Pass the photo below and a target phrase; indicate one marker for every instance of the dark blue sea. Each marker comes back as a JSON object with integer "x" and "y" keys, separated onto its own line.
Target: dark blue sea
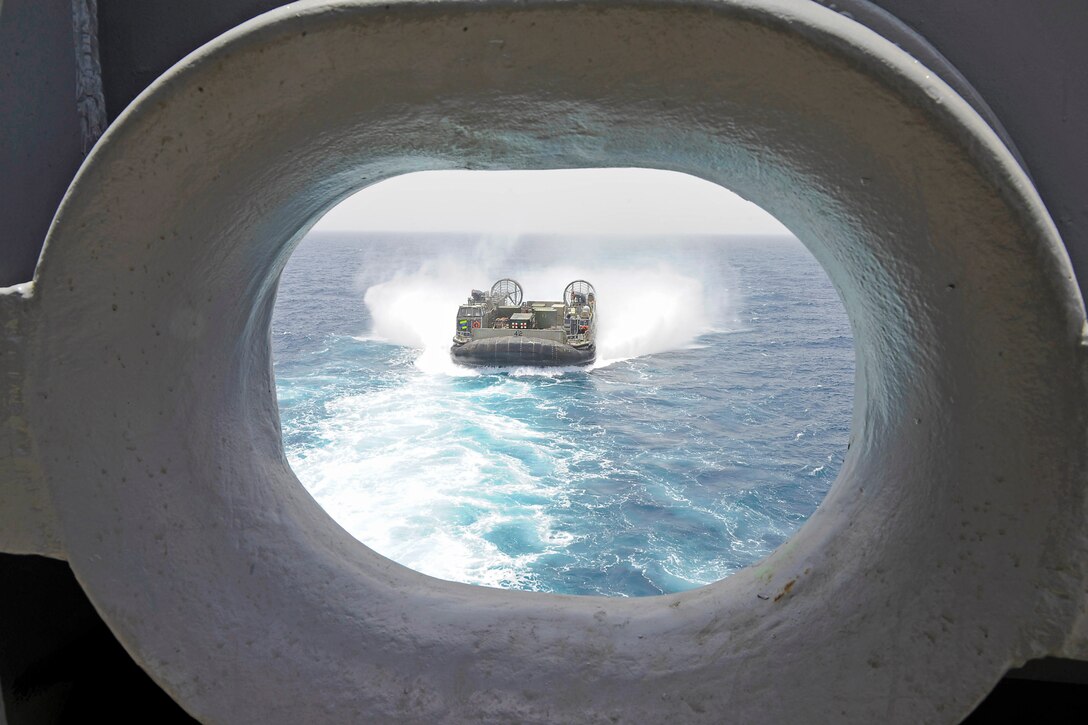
{"x": 710, "y": 428}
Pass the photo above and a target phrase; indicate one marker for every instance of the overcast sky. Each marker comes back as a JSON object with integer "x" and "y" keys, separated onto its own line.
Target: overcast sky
{"x": 591, "y": 201}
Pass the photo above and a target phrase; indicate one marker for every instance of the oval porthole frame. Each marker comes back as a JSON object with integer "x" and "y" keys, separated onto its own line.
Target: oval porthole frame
{"x": 948, "y": 549}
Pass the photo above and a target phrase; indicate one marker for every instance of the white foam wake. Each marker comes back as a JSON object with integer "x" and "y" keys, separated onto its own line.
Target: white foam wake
{"x": 426, "y": 476}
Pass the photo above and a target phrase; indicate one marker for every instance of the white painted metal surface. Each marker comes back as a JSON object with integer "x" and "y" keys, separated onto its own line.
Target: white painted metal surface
{"x": 139, "y": 379}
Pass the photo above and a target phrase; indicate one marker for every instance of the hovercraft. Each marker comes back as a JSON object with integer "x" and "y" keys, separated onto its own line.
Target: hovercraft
{"x": 500, "y": 329}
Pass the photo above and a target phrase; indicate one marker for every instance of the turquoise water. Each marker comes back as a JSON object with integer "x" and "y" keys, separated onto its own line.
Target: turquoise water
{"x": 710, "y": 428}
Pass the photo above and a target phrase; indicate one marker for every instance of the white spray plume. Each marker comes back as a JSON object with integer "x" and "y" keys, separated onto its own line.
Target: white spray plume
{"x": 641, "y": 310}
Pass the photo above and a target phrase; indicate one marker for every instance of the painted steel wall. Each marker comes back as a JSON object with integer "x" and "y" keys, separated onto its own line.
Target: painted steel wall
{"x": 1025, "y": 61}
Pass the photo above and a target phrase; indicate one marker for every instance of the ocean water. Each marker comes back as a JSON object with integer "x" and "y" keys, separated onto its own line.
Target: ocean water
{"x": 711, "y": 426}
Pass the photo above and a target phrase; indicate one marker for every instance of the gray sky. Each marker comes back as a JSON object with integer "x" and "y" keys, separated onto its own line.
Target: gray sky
{"x": 590, "y": 201}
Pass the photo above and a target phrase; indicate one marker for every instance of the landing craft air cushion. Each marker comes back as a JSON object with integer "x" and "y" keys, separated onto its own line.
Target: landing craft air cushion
{"x": 499, "y": 329}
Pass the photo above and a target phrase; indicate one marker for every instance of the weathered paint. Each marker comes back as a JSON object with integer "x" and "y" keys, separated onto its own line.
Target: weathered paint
{"x": 951, "y": 547}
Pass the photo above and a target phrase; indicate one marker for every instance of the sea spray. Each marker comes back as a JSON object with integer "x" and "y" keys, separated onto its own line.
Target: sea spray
{"x": 417, "y": 310}
{"x": 641, "y": 310}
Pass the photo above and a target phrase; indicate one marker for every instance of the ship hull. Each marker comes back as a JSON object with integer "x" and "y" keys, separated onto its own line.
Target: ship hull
{"x": 514, "y": 351}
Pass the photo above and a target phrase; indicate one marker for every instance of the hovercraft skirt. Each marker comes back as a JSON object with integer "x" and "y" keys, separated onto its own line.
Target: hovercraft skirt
{"x": 513, "y": 351}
